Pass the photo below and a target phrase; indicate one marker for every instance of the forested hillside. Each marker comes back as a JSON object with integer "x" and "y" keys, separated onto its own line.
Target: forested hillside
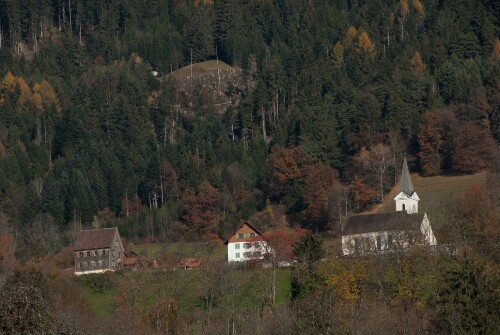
{"x": 329, "y": 97}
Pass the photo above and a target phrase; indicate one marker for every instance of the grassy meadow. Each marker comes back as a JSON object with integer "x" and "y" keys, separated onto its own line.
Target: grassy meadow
{"x": 435, "y": 193}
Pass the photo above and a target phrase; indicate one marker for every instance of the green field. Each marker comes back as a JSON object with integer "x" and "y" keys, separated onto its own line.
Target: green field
{"x": 181, "y": 249}
{"x": 103, "y": 303}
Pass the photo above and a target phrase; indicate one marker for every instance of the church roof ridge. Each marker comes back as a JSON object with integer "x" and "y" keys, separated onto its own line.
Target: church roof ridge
{"x": 405, "y": 184}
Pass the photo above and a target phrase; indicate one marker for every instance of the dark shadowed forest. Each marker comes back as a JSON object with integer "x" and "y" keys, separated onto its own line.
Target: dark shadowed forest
{"x": 288, "y": 113}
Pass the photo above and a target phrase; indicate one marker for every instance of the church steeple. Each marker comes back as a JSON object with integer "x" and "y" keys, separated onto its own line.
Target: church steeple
{"x": 407, "y": 199}
{"x": 405, "y": 184}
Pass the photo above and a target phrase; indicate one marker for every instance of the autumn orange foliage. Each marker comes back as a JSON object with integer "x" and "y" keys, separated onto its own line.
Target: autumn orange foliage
{"x": 417, "y": 65}
{"x": 495, "y": 53}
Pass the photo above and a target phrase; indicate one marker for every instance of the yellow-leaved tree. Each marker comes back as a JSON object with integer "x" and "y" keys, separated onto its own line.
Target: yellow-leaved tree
{"x": 351, "y": 35}
{"x": 48, "y": 95}
{"x": 417, "y": 65}
{"x": 25, "y": 91}
{"x": 419, "y": 7}
{"x": 365, "y": 44}
{"x": 9, "y": 83}
{"x": 338, "y": 55}
{"x": 43, "y": 99}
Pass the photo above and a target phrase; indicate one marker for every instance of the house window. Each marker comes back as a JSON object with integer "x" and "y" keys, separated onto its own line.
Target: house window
{"x": 237, "y": 246}
{"x": 113, "y": 263}
{"x": 104, "y": 263}
{"x": 404, "y": 207}
{"x": 116, "y": 243}
{"x": 247, "y": 245}
{"x": 103, "y": 252}
{"x": 237, "y": 255}
{"x": 241, "y": 236}
{"x": 88, "y": 253}
{"x": 80, "y": 265}
{"x": 81, "y": 253}
{"x": 252, "y": 234}
{"x": 89, "y": 264}
{"x": 389, "y": 242}
{"x": 379, "y": 242}
{"x": 96, "y": 252}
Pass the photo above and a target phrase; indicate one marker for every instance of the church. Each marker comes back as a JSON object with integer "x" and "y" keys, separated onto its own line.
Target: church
{"x": 383, "y": 232}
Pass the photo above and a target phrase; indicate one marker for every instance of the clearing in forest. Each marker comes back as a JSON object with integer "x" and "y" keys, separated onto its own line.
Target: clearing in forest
{"x": 203, "y": 67}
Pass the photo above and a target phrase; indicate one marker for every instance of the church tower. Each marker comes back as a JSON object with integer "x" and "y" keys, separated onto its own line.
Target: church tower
{"x": 407, "y": 199}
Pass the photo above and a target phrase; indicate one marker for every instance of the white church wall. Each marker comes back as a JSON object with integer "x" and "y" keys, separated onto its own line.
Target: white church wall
{"x": 379, "y": 242}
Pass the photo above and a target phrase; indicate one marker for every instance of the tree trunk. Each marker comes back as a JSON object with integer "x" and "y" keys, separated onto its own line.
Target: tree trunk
{"x": 38, "y": 139}
{"x": 275, "y": 266}
{"x": 264, "y": 124}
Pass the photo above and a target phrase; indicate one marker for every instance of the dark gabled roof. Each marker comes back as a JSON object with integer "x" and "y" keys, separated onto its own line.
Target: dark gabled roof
{"x": 95, "y": 239}
{"x": 405, "y": 184}
{"x": 248, "y": 223}
{"x": 392, "y": 221}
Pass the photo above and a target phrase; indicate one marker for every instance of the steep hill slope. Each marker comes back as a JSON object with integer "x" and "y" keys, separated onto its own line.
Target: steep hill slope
{"x": 435, "y": 193}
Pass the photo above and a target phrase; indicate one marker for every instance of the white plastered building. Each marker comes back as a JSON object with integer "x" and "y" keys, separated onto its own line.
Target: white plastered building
{"x": 382, "y": 232}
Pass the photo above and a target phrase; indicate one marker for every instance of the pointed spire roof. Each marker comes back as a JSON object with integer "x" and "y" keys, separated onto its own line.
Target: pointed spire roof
{"x": 405, "y": 184}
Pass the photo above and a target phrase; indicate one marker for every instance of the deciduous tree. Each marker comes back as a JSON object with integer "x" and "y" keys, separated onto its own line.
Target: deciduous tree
{"x": 201, "y": 208}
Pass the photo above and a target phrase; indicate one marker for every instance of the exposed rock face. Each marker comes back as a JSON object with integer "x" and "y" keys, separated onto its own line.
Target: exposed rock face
{"x": 208, "y": 85}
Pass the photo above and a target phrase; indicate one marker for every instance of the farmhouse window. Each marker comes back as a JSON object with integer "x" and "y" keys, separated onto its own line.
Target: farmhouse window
{"x": 237, "y": 255}
{"x": 88, "y": 253}
{"x": 80, "y": 265}
{"x": 103, "y": 252}
{"x": 389, "y": 242}
{"x": 247, "y": 245}
{"x": 96, "y": 252}
{"x": 237, "y": 246}
{"x": 252, "y": 234}
{"x": 379, "y": 242}
{"x": 241, "y": 236}
{"x": 81, "y": 253}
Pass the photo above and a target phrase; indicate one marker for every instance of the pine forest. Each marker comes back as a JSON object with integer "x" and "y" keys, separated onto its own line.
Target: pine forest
{"x": 178, "y": 120}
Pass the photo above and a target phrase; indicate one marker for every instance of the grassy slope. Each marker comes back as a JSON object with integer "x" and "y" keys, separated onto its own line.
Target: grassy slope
{"x": 103, "y": 303}
{"x": 435, "y": 193}
{"x": 207, "y": 66}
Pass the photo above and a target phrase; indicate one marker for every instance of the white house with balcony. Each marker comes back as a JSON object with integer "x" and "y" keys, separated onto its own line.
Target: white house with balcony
{"x": 245, "y": 243}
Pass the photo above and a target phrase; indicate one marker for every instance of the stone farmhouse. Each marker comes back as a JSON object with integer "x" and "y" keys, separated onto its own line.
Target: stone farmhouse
{"x": 385, "y": 232}
{"x": 98, "y": 251}
{"x": 245, "y": 243}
